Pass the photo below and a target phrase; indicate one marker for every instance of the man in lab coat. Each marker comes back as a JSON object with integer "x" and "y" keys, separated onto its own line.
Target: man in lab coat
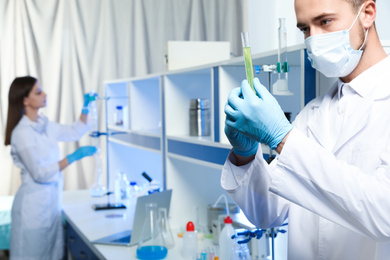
{"x": 331, "y": 179}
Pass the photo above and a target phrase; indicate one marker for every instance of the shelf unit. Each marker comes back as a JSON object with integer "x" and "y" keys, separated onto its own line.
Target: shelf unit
{"x": 156, "y": 131}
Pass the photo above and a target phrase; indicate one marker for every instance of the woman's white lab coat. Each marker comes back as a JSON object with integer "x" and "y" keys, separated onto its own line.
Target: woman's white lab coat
{"x": 336, "y": 198}
{"x": 36, "y": 227}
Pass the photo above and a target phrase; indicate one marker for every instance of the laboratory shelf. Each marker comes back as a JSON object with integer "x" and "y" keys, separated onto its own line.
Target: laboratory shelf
{"x": 212, "y": 153}
{"x": 157, "y": 137}
{"x": 141, "y": 141}
{"x": 145, "y": 103}
{"x": 134, "y": 159}
{"x": 179, "y": 89}
{"x": 117, "y": 94}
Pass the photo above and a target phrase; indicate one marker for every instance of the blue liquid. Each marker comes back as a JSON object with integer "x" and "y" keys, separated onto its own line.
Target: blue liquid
{"x": 152, "y": 252}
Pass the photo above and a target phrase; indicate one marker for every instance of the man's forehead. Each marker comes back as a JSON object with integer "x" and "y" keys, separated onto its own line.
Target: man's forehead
{"x": 306, "y": 9}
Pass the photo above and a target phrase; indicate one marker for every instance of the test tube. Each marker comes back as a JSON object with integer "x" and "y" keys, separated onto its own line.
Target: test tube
{"x": 248, "y": 58}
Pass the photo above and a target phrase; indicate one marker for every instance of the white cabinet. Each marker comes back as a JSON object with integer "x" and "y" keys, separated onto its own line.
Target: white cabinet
{"x": 157, "y": 139}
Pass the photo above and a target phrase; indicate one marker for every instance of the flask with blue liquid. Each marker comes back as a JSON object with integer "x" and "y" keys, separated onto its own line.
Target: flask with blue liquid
{"x": 151, "y": 245}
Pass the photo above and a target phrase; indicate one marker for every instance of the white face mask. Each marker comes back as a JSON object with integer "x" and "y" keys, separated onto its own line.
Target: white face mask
{"x": 332, "y": 53}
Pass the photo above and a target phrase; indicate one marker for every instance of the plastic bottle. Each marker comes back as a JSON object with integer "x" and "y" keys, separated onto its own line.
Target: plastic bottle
{"x": 124, "y": 183}
{"x": 132, "y": 191}
{"x": 118, "y": 115}
{"x": 226, "y": 242}
{"x": 190, "y": 242}
{"x": 117, "y": 187}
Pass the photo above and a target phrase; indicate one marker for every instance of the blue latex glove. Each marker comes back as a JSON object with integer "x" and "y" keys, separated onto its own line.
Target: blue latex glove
{"x": 242, "y": 145}
{"x": 85, "y": 106}
{"x": 257, "y": 116}
{"x": 86, "y": 99}
{"x": 81, "y": 153}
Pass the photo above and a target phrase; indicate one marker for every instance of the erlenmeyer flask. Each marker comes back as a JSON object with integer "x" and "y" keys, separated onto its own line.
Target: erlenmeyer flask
{"x": 165, "y": 229}
{"x": 151, "y": 245}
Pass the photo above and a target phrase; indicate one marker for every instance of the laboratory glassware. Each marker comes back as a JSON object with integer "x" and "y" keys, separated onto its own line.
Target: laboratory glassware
{"x": 152, "y": 244}
{"x": 97, "y": 189}
{"x": 240, "y": 248}
{"x": 280, "y": 87}
{"x": 123, "y": 185}
{"x": 118, "y": 115}
{"x": 132, "y": 190}
{"x": 199, "y": 117}
{"x": 247, "y": 58}
{"x": 165, "y": 228}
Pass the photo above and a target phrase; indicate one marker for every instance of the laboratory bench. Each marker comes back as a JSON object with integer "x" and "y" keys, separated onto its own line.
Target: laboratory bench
{"x": 84, "y": 224}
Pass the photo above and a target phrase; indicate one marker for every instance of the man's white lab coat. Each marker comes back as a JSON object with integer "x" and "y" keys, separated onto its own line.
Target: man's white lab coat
{"x": 334, "y": 193}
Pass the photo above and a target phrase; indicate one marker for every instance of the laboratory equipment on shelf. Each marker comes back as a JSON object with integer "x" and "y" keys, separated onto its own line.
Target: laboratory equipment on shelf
{"x": 151, "y": 245}
{"x": 97, "y": 189}
{"x": 118, "y": 115}
{"x": 240, "y": 247}
{"x": 199, "y": 117}
{"x": 280, "y": 87}
{"x": 247, "y": 58}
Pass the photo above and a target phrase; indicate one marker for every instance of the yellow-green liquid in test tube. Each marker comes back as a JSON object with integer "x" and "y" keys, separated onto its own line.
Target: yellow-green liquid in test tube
{"x": 247, "y": 58}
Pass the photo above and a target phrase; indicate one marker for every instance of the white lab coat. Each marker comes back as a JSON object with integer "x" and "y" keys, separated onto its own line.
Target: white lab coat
{"x": 36, "y": 227}
{"x": 336, "y": 198}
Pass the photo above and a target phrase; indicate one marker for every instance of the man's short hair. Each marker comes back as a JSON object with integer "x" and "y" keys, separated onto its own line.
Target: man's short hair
{"x": 356, "y": 4}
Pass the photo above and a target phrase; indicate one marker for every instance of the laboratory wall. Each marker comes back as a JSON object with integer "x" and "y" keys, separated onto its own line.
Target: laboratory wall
{"x": 71, "y": 46}
{"x": 263, "y": 23}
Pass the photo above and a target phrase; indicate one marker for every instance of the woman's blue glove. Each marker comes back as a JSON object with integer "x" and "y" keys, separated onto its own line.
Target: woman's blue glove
{"x": 85, "y": 106}
{"x": 81, "y": 153}
{"x": 257, "y": 116}
{"x": 242, "y": 145}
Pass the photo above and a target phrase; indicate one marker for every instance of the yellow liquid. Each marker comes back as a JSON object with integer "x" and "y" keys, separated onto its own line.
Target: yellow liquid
{"x": 249, "y": 66}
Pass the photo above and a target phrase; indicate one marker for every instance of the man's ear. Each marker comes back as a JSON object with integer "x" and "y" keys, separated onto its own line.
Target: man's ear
{"x": 368, "y": 14}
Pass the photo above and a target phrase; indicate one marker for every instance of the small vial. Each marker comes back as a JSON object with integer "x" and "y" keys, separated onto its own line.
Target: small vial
{"x": 132, "y": 190}
{"x": 118, "y": 115}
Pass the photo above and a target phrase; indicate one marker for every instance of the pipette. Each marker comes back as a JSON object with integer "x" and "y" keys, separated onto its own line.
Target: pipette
{"x": 248, "y": 58}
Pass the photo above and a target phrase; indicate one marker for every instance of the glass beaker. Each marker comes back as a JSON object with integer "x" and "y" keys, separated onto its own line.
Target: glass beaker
{"x": 165, "y": 229}
{"x": 152, "y": 244}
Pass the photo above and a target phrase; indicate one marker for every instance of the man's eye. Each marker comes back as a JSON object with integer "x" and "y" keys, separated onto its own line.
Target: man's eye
{"x": 304, "y": 29}
{"x": 325, "y": 22}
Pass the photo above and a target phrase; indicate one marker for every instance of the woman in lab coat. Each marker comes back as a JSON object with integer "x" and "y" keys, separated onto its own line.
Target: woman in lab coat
{"x": 36, "y": 227}
{"x": 331, "y": 180}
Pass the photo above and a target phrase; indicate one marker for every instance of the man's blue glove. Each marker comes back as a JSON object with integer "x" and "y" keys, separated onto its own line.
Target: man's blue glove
{"x": 86, "y": 102}
{"x": 257, "y": 116}
{"x": 242, "y": 145}
{"x": 81, "y": 153}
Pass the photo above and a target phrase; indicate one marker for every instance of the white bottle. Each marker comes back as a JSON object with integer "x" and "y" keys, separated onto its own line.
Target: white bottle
{"x": 226, "y": 242}
{"x": 132, "y": 190}
{"x": 124, "y": 183}
{"x": 190, "y": 242}
{"x": 117, "y": 187}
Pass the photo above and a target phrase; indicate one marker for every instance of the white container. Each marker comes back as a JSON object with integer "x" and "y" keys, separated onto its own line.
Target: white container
{"x": 117, "y": 187}
{"x": 190, "y": 242}
{"x": 226, "y": 242}
{"x": 132, "y": 190}
{"x": 118, "y": 115}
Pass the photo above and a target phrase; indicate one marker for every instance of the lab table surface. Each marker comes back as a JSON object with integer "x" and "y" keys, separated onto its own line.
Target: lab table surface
{"x": 90, "y": 225}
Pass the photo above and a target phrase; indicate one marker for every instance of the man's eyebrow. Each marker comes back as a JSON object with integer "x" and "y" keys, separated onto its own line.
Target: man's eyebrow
{"x": 315, "y": 19}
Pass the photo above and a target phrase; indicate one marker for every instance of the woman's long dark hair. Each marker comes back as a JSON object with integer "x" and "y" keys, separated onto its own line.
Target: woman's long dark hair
{"x": 20, "y": 89}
